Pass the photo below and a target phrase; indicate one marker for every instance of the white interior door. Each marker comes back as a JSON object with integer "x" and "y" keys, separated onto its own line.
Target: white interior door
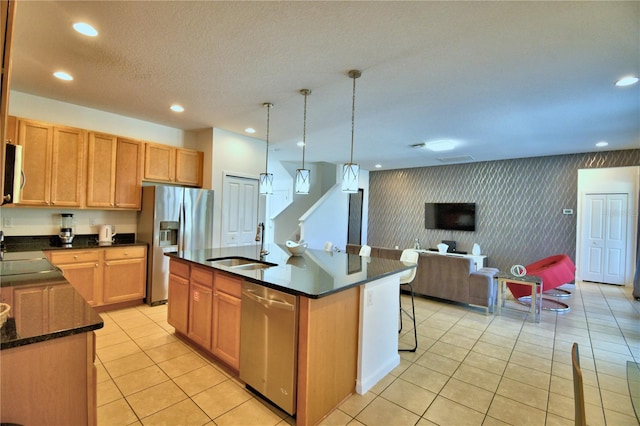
{"x": 604, "y": 238}
{"x": 239, "y": 211}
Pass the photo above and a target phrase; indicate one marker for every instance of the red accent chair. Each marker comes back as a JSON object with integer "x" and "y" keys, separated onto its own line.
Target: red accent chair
{"x": 554, "y": 270}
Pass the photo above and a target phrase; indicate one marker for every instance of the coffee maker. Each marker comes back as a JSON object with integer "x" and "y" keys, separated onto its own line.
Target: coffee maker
{"x": 66, "y": 229}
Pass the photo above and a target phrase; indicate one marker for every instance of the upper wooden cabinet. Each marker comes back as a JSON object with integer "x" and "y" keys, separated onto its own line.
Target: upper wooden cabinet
{"x": 189, "y": 167}
{"x": 101, "y": 170}
{"x": 129, "y": 174}
{"x": 114, "y": 172}
{"x": 164, "y": 163}
{"x": 53, "y": 164}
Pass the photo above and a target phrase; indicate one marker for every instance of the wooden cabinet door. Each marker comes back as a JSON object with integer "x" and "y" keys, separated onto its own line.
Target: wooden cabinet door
{"x": 37, "y": 141}
{"x": 178, "y": 303}
{"x": 124, "y": 280}
{"x": 101, "y": 170}
{"x": 67, "y": 167}
{"x": 128, "y": 174}
{"x": 200, "y": 305}
{"x": 189, "y": 167}
{"x": 159, "y": 162}
{"x": 86, "y": 278}
{"x": 32, "y": 321}
{"x": 226, "y": 319}
{"x": 66, "y": 307}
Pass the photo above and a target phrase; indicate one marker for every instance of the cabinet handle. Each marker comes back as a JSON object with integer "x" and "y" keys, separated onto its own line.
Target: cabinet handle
{"x": 96, "y": 265}
{"x": 126, "y": 253}
{"x": 75, "y": 257}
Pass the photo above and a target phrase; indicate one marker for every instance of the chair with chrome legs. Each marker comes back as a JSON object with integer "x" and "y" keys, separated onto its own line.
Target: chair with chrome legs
{"x": 578, "y": 390}
{"x": 409, "y": 256}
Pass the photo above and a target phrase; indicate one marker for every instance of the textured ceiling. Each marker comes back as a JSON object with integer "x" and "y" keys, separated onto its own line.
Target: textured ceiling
{"x": 505, "y": 79}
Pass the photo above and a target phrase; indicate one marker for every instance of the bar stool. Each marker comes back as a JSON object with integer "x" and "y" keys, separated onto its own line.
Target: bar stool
{"x": 409, "y": 257}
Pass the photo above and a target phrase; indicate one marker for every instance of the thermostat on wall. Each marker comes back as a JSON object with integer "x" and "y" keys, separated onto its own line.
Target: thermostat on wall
{"x": 567, "y": 211}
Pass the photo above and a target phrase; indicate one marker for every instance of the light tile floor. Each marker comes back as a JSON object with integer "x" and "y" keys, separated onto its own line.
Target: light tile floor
{"x": 469, "y": 369}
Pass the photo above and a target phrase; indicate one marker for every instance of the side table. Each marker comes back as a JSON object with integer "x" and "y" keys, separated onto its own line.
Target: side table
{"x": 533, "y": 281}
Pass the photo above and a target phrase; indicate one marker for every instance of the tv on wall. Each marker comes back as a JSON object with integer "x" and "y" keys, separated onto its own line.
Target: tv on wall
{"x": 450, "y": 216}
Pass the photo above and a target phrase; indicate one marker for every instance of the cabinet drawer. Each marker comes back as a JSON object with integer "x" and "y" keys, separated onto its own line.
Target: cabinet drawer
{"x": 129, "y": 252}
{"x": 202, "y": 276}
{"x": 65, "y": 257}
{"x": 178, "y": 268}
{"x": 228, "y": 284}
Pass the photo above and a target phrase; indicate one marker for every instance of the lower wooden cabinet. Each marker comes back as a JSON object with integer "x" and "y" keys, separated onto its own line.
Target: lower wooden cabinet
{"x": 226, "y": 319}
{"x": 205, "y": 306}
{"x": 104, "y": 276}
{"x": 178, "y": 296}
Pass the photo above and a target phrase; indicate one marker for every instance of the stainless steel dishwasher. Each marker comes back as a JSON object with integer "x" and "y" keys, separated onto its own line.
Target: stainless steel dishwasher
{"x": 268, "y": 344}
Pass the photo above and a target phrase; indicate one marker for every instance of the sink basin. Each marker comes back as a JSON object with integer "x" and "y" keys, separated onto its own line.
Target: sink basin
{"x": 241, "y": 263}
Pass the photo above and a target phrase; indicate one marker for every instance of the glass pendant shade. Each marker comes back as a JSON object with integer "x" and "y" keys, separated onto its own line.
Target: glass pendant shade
{"x": 350, "y": 172}
{"x": 303, "y": 182}
{"x": 266, "y": 183}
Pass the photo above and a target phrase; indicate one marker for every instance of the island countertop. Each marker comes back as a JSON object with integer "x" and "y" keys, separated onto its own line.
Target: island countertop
{"x": 314, "y": 274}
{"x": 44, "y": 306}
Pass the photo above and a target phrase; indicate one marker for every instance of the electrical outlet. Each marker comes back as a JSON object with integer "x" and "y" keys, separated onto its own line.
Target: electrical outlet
{"x": 92, "y": 221}
{"x": 7, "y": 222}
{"x": 369, "y": 298}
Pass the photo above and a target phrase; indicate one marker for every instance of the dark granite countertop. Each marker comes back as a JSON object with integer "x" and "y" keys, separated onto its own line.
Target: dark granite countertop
{"x": 315, "y": 274}
{"x": 52, "y": 242}
{"x": 67, "y": 312}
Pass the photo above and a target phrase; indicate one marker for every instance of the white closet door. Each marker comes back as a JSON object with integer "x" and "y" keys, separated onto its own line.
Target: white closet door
{"x": 604, "y": 238}
{"x": 239, "y": 211}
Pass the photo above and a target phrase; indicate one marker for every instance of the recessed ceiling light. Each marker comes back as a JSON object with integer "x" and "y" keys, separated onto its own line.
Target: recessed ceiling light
{"x": 602, "y": 143}
{"x": 627, "y": 81}
{"x": 300, "y": 144}
{"x": 378, "y": 166}
{"x": 250, "y": 130}
{"x": 63, "y": 75}
{"x": 85, "y": 29}
{"x": 176, "y": 108}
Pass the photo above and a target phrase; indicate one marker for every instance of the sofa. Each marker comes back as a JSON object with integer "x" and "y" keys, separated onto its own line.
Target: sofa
{"x": 452, "y": 278}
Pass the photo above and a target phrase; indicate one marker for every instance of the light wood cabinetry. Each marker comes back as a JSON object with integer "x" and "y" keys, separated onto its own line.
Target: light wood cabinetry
{"x": 227, "y": 292}
{"x": 51, "y": 382}
{"x": 125, "y": 271}
{"x": 104, "y": 276}
{"x": 164, "y": 163}
{"x": 189, "y": 165}
{"x": 53, "y": 164}
{"x": 128, "y": 174}
{"x": 101, "y": 170}
{"x": 178, "y": 296}
{"x": 200, "y": 305}
{"x": 159, "y": 162}
{"x": 7, "y": 14}
{"x": 205, "y": 306}
{"x": 83, "y": 270}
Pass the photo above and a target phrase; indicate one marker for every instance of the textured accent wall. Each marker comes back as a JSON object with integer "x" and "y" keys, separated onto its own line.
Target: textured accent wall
{"x": 518, "y": 204}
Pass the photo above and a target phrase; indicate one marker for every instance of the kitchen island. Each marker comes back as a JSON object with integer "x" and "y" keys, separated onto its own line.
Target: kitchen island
{"x": 47, "y": 345}
{"x": 347, "y": 313}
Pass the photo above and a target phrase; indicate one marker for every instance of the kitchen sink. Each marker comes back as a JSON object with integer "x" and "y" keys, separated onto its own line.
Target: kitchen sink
{"x": 241, "y": 263}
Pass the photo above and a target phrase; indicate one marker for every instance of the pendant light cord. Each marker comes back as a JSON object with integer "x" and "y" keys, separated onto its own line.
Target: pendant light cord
{"x": 304, "y": 125}
{"x": 354, "y": 74}
{"x": 268, "y": 106}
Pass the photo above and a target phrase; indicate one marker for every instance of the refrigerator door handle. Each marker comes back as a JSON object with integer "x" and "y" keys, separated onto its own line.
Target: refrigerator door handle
{"x": 181, "y": 226}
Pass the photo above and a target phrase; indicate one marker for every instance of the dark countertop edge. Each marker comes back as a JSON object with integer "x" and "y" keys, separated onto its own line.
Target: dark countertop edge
{"x": 92, "y": 247}
{"x": 288, "y": 290}
{"x": 50, "y": 336}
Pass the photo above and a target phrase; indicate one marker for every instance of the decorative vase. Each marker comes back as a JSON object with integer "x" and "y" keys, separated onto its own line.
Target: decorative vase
{"x": 475, "y": 250}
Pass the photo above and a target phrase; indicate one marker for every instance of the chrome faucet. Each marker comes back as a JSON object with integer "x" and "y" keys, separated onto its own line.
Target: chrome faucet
{"x": 259, "y": 231}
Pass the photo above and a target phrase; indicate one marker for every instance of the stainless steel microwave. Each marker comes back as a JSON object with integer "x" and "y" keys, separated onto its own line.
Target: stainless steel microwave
{"x": 12, "y": 174}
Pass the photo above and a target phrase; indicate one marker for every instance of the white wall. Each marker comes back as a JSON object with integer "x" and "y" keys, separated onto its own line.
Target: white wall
{"x": 611, "y": 180}
{"x": 237, "y": 155}
{"x": 52, "y": 111}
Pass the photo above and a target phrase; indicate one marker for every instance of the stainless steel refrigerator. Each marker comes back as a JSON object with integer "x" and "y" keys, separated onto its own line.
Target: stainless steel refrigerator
{"x": 172, "y": 219}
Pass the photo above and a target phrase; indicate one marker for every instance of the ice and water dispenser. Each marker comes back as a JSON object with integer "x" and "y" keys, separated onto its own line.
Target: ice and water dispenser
{"x": 168, "y": 235}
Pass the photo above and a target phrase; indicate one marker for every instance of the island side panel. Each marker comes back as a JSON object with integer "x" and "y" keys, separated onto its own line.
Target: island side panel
{"x": 327, "y": 353}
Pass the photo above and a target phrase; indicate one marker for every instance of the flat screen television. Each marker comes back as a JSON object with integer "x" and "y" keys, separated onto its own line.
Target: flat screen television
{"x": 450, "y": 216}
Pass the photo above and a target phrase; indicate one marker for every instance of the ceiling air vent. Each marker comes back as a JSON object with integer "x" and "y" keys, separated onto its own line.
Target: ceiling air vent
{"x": 457, "y": 159}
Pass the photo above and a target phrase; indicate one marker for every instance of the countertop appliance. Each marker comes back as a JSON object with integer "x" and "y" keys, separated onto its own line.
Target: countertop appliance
{"x": 172, "y": 219}
{"x": 66, "y": 229}
{"x": 106, "y": 234}
{"x": 268, "y": 344}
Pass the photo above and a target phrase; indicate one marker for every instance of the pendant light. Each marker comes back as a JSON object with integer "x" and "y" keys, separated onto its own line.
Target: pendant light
{"x": 303, "y": 176}
{"x": 266, "y": 178}
{"x": 350, "y": 170}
